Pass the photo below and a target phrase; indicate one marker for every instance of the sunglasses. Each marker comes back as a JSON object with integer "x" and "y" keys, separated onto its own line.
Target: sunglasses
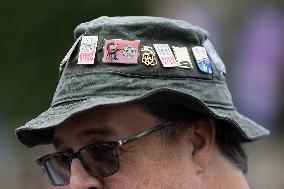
{"x": 99, "y": 159}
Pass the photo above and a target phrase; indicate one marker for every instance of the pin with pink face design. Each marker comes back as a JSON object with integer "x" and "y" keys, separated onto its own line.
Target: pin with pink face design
{"x": 121, "y": 51}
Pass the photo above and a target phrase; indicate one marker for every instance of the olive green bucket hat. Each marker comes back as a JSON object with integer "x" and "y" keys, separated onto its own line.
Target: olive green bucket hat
{"x": 132, "y": 59}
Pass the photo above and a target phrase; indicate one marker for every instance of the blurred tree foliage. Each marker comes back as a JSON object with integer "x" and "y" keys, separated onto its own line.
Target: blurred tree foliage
{"x": 35, "y": 36}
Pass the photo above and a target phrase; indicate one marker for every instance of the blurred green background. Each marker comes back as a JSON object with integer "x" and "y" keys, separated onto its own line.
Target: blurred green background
{"x": 36, "y": 35}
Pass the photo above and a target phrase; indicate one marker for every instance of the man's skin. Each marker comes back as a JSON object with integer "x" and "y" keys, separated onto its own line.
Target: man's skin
{"x": 150, "y": 162}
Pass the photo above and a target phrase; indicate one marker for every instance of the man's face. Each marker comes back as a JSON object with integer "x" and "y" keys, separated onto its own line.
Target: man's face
{"x": 148, "y": 162}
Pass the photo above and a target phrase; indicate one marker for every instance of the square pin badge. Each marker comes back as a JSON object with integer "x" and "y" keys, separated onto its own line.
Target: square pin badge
{"x": 182, "y": 57}
{"x": 88, "y": 49}
{"x": 121, "y": 51}
{"x": 202, "y": 59}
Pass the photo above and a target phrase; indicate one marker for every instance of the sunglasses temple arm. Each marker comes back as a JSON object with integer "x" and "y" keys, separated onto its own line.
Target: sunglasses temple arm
{"x": 143, "y": 133}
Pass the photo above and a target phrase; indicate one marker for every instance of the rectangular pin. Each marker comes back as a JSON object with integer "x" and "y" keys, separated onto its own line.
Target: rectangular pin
{"x": 88, "y": 50}
{"x": 165, "y": 55}
{"x": 182, "y": 57}
{"x": 202, "y": 59}
{"x": 121, "y": 51}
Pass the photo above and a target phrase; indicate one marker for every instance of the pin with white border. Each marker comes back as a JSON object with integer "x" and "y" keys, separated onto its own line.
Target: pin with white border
{"x": 212, "y": 53}
{"x": 88, "y": 50}
{"x": 166, "y": 55}
{"x": 202, "y": 59}
{"x": 182, "y": 57}
{"x": 67, "y": 56}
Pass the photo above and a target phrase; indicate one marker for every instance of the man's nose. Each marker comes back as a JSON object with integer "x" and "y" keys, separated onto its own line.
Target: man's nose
{"x": 80, "y": 179}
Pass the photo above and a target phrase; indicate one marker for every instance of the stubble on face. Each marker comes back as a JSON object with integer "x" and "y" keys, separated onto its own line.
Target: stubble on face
{"x": 146, "y": 163}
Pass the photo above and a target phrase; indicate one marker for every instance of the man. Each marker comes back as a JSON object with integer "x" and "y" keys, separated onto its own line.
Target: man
{"x": 158, "y": 115}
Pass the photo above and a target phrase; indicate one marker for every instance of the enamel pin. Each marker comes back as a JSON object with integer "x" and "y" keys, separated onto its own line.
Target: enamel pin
{"x": 88, "y": 50}
{"x": 148, "y": 56}
{"x": 121, "y": 51}
{"x": 67, "y": 56}
{"x": 182, "y": 57}
{"x": 212, "y": 53}
{"x": 166, "y": 55}
{"x": 202, "y": 59}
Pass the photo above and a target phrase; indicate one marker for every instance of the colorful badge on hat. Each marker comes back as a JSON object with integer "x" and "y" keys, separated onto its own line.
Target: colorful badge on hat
{"x": 182, "y": 57}
{"x": 166, "y": 55}
{"x": 67, "y": 56}
{"x": 212, "y": 53}
{"x": 88, "y": 49}
{"x": 121, "y": 51}
{"x": 202, "y": 59}
{"x": 149, "y": 56}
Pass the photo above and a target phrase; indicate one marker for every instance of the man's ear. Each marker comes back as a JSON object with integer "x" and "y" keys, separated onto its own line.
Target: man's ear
{"x": 202, "y": 138}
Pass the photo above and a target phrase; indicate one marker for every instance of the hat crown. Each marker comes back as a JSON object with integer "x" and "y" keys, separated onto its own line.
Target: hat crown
{"x": 149, "y": 31}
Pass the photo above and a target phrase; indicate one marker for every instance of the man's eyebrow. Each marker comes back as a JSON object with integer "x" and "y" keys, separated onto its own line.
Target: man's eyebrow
{"x": 90, "y": 132}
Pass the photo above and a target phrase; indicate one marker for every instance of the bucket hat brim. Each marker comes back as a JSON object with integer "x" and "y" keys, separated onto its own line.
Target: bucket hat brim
{"x": 40, "y": 129}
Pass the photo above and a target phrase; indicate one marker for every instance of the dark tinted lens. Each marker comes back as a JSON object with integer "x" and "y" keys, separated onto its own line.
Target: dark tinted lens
{"x": 99, "y": 160}
{"x": 57, "y": 167}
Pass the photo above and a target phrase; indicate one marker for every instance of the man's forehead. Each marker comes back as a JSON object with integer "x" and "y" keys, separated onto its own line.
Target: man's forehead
{"x": 108, "y": 122}
{"x": 105, "y": 115}
{"x": 88, "y": 125}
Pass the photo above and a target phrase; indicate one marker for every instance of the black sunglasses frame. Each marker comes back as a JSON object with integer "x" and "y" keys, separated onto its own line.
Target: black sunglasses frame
{"x": 113, "y": 144}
